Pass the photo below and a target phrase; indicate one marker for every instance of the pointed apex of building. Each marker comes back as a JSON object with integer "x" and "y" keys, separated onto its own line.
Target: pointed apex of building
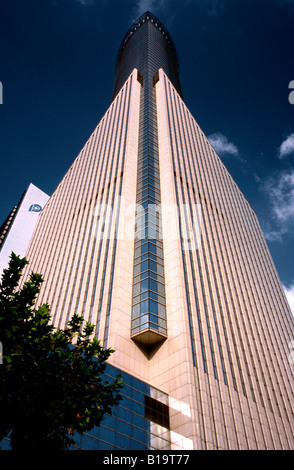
{"x": 149, "y": 14}
{"x": 151, "y": 17}
{"x": 134, "y": 47}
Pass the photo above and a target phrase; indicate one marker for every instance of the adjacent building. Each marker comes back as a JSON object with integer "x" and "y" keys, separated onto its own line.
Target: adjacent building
{"x": 149, "y": 237}
{"x": 18, "y": 228}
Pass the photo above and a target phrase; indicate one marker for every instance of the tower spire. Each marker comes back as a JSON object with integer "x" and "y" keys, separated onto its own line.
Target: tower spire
{"x": 147, "y": 45}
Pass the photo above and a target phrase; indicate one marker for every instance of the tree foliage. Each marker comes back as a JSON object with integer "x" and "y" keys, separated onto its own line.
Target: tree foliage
{"x": 51, "y": 380}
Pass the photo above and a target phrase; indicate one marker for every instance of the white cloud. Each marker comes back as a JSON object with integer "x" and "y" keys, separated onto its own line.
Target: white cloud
{"x": 221, "y": 144}
{"x": 286, "y": 147}
{"x": 287, "y": 2}
{"x": 257, "y": 178}
{"x": 272, "y": 235}
{"x": 289, "y": 291}
{"x": 85, "y": 3}
{"x": 150, "y": 5}
{"x": 146, "y": 5}
{"x": 213, "y": 7}
{"x": 280, "y": 194}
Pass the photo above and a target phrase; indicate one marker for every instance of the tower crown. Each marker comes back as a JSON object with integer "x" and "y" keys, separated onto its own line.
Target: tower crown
{"x": 147, "y": 46}
{"x": 147, "y": 16}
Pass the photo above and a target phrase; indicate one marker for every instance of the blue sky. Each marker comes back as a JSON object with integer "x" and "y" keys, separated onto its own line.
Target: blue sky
{"x": 236, "y": 63}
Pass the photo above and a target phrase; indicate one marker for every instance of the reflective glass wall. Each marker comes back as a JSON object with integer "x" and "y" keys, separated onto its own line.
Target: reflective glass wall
{"x": 140, "y": 422}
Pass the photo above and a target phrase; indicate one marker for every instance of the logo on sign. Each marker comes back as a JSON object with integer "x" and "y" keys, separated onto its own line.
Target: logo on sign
{"x": 35, "y": 208}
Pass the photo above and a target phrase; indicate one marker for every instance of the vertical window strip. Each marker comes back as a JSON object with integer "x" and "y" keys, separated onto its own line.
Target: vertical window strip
{"x": 276, "y": 329}
{"x": 79, "y": 218}
{"x": 57, "y": 245}
{"x": 233, "y": 307}
{"x": 190, "y": 315}
{"x": 60, "y": 200}
{"x": 117, "y": 130}
{"x": 108, "y": 308}
{"x": 209, "y": 184}
{"x": 194, "y": 149}
{"x": 77, "y": 169}
{"x": 97, "y": 263}
{"x": 103, "y": 165}
{"x": 251, "y": 386}
{"x": 260, "y": 292}
{"x": 45, "y": 227}
{"x": 213, "y": 162}
{"x": 68, "y": 274}
{"x": 189, "y": 151}
{"x": 242, "y": 320}
{"x": 114, "y": 152}
{"x": 175, "y": 120}
{"x": 179, "y": 120}
{"x": 109, "y": 302}
{"x": 194, "y": 132}
{"x": 179, "y": 145}
{"x": 249, "y": 321}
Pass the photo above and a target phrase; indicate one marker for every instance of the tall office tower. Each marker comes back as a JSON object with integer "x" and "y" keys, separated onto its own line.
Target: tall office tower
{"x": 148, "y": 237}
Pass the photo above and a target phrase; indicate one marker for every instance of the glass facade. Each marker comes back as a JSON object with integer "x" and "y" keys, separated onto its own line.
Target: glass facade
{"x": 140, "y": 422}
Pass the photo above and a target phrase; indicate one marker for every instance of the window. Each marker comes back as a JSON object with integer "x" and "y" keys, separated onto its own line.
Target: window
{"x": 157, "y": 412}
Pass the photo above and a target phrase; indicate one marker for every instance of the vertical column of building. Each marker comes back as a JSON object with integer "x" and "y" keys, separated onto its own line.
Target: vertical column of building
{"x": 218, "y": 275}
{"x": 173, "y": 371}
{"x": 148, "y": 309}
{"x": 219, "y": 266}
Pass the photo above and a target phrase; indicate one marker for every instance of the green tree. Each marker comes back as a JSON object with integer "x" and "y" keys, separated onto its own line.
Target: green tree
{"x": 51, "y": 380}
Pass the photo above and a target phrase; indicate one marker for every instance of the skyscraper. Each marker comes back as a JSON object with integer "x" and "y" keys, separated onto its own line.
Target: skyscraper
{"x": 149, "y": 238}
